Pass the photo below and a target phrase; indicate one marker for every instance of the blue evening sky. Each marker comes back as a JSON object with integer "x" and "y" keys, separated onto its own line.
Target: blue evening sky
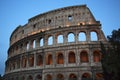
{"x": 17, "y": 12}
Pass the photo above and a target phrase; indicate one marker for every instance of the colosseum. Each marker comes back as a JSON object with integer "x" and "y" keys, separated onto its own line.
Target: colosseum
{"x": 61, "y": 44}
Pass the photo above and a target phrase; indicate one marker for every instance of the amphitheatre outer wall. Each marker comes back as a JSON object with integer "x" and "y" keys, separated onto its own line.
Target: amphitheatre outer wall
{"x": 50, "y": 47}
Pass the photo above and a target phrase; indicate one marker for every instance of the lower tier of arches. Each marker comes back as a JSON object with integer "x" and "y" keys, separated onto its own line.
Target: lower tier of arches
{"x": 76, "y": 73}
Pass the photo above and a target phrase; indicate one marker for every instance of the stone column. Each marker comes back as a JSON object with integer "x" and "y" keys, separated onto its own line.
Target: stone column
{"x": 88, "y": 36}
{"x": 31, "y": 45}
{"x": 66, "y": 77}
{"x": 65, "y": 59}
{"x": 44, "y": 59}
{"x": 34, "y": 59}
{"x": 54, "y": 59}
{"x": 27, "y": 62}
{"x": 54, "y": 40}
{"x": 65, "y": 38}
{"x": 24, "y": 46}
{"x": 37, "y": 43}
{"x": 45, "y": 40}
{"x": 76, "y": 38}
{"x": 53, "y": 76}
{"x": 90, "y": 55}
{"x": 21, "y": 61}
{"x": 77, "y": 57}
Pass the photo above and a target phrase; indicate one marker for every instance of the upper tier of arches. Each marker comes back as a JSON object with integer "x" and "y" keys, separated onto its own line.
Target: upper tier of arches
{"x": 63, "y": 17}
{"x": 61, "y": 36}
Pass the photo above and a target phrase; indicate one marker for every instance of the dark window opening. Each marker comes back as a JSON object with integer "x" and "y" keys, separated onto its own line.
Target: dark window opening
{"x": 49, "y": 21}
{"x": 69, "y": 17}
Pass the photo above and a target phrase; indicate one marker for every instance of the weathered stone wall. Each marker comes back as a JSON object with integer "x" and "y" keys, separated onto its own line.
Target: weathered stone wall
{"x": 36, "y": 52}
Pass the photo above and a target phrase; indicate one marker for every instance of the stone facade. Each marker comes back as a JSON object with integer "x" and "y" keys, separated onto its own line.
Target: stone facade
{"x": 50, "y": 47}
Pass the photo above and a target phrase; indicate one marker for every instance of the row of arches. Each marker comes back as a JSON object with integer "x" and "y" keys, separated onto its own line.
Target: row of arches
{"x": 61, "y": 76}
{"x": 71, "y": 38}
{"x": 84, "y": 57}
{"x": 60, "y": 39}
{"x": 51, "y": 40}
{"x": 56, "y": 21}
{"x": 51, "y": 59}
{"x": 72, "y": 76}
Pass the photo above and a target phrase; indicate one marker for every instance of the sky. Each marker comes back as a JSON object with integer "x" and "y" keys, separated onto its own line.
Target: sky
{"x": 17, "y": 12}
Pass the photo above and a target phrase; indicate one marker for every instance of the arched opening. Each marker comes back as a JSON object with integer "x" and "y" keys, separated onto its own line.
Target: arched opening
{"x": 82, "y": 36}
{"x": 84, "y": 56}
{"x": 96, "y": 56}
{"x": 39, "y": 60}
{"x": 99, "y": 76}
{"x": 60, "y": 39}
{"x": 72, "y": 77}
{"x": 30, "y": 78}
{"x": 27, "y": 45}
{"x": 50, "y": 40}
{"x": 31, "y": 60}
{"x": 86, "y": 76}
{"x": 41, "y": 42}
{"x": 69, "y": 18}
{"x": 49, "y": 59}
{"x": 71, "y": 37}
{"x": 60, "y": 58}
{"x": 24, "y": 61}
{"x": 60, "y": 77}
{"x": 71, "y": 57}
{"x": 38, "y": 77}
{"x": 48, "y": 77}
{"x": 94, "y": 36}
{"x": 34, "y": 44}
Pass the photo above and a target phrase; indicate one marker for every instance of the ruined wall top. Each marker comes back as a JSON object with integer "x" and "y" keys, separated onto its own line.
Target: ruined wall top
{"x": 62, "y": 17}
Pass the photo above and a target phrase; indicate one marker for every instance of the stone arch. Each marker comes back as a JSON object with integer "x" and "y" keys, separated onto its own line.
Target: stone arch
{"x": 60, "y": 77}
{"x": 86, "y": 76}
{"x": 49, "y": 59}
{"x": 39, "y": 60}
{"x": 96, "y": 56}
{"x": 50, "y": 40}
{"x": 84, "y": 56}
{"x": 48, "y": 77}
{"x": 27, "y": 45}
{"x": 30, "y": 77}
{"x": 33, "y": 44}
{"x": 72, "y": 76}
{"x": 94, "y": 36}
{"x": 71, "y": 37}
{"x": 31, "y": 60}
{"x": 38, "y": 77}
{"x": 82, "y": 36}
{"x": 60, "y": 38}
{"x": 60, "y": 58}
{"x": 71, "y": 57}
{"x": 41, "y": 42}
